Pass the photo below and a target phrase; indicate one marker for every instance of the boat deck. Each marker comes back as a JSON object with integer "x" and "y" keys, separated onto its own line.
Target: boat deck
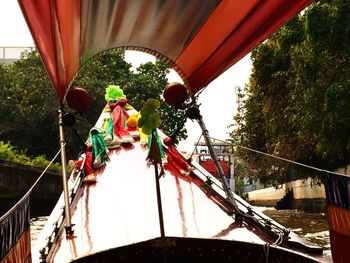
{"x": 121, "y": 210}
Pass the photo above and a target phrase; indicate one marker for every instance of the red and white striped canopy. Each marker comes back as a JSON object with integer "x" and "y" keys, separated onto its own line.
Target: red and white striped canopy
{"x": 200, "y": 38}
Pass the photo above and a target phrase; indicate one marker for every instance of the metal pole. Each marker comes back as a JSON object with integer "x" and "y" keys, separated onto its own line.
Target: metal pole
{"x": 194, "y": 113}
{"x": 159, "y": 200}
{"x": 68, "y": 227}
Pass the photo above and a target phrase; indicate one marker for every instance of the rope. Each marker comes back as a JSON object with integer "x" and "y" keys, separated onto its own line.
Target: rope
{"x": 284, "y": 159}
{"x": 43, "y": 172}
{"x": 279, "y": 240}
{"x": 31, "y": 188}
{"x": 266, "y": 249}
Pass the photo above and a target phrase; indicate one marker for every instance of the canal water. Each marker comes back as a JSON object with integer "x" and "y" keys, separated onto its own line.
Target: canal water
{"x": 311, "y": 226}
{"x": 36, "y": 225}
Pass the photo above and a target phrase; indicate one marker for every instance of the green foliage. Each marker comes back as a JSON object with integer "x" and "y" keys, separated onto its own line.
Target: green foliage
{"x": 6, "y": 151}
{"x": 96, "y": 75}
{"x": 298, "y": 96}
{"x": 11, "y": 153}
{"x": 28, "y": 106}
{"x": 149, "y": 82}
{"x": 28, "y": 103}
{"x": 241, "y": 172}
{"x": 150, "y": 119}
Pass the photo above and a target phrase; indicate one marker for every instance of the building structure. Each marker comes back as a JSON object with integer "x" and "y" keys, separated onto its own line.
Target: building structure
{"x": 224, "y": 153}
{"x": 9, "y": 55}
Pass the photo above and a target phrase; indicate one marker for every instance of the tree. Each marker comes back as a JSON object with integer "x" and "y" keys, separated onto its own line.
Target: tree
{"x": 326, "y": 62}
{"x": 148, "y": 81}
{"x": 151, "y": 79}
{"x": 28, "y": 103}
{"x": 29, "y": 106}
{"x": 4, "y": 98}
{"x": 297, "y": 95}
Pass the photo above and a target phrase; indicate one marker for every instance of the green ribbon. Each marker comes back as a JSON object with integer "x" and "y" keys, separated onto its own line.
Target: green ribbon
{"x": 155, "y": 135}
{"x": 98, "y": 146}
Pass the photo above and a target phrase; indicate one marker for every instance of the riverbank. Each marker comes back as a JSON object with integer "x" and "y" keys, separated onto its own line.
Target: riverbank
{"x": 16, "y": 179}
{"x": 304, "y": 194}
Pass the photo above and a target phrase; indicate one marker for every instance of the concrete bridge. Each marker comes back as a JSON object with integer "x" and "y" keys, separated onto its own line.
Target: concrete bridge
{"x": 16, "y": 179}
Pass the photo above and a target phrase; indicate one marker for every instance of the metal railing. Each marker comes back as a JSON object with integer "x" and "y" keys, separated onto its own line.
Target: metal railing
{"x": 10, "y": 54}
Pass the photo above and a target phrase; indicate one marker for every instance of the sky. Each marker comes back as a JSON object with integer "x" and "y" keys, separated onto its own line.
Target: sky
{"x": 217, "y": 101}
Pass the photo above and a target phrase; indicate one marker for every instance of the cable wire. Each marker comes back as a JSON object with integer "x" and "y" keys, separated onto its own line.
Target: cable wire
{"x": 284, "y": 159}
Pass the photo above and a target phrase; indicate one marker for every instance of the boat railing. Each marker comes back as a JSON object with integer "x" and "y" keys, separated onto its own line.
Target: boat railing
{"x": 15, "y": 221}
{"x": 282, "y": 235}
{"x": 57, "y": 219}
{"x": 247, "y": 209}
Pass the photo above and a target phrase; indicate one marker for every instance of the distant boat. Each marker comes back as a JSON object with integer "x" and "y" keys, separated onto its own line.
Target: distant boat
{"x": 132, "y": 214}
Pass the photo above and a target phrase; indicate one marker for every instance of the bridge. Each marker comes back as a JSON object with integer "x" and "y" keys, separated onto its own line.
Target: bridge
{"x": 16, "y": 179}
{"x": 9, "y": 55}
